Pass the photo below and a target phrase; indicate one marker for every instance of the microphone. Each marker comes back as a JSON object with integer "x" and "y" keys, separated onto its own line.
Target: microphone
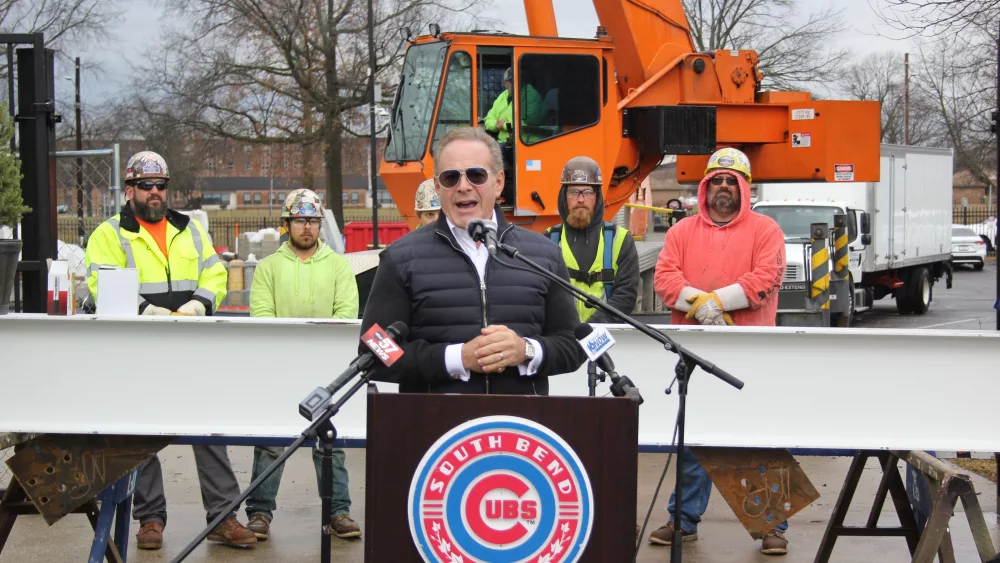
{"x": 484, "y": 231}
{"x": 381, "y": 344}
{"x": 596, "y": 342}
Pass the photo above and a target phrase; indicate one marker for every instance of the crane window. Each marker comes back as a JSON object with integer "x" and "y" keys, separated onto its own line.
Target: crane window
{"x": 456, "y": 100}
{"x": 413, "y": 110}
{"x": 558, "y": 94}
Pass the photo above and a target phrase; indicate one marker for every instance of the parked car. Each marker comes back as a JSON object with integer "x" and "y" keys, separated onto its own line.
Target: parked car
{"x": 967, "y": 247}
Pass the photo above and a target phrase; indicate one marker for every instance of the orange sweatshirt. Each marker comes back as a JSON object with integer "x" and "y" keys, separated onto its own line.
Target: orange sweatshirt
{"x": 742, "y": 261}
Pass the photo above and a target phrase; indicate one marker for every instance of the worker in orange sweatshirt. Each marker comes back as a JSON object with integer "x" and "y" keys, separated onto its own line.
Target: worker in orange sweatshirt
{"x": 723, "y": 266}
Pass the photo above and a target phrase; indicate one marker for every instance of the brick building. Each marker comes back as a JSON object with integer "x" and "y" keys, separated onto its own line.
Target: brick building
{"x": 231, "y": 175}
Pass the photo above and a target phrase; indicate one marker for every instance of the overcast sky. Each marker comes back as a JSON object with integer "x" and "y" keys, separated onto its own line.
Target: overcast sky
{"x": 143, "y": 20}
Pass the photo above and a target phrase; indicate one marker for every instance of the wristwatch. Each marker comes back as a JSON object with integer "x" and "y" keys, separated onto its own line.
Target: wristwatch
{"x": 529, "y": 351}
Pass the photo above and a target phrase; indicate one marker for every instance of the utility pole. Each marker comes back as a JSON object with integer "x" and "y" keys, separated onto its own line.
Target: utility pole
{"x": 906, "y": 99}
{"x": 372, "y": 145}
{"x": 81, "y": 232}
{"x": 996, "y": 140}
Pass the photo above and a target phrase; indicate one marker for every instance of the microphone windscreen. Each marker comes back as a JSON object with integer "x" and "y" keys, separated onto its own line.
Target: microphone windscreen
{"x": 582, "y": 330}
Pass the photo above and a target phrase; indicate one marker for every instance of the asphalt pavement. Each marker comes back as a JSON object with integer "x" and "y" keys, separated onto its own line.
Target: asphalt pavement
{"x": 968, "y": 305}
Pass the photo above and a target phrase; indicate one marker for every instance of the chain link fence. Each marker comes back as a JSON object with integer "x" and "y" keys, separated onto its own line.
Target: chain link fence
{"x": 88, "y": 191}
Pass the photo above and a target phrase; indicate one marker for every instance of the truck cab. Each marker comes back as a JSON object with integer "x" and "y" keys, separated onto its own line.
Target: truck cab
{"x": 795, "y": 215}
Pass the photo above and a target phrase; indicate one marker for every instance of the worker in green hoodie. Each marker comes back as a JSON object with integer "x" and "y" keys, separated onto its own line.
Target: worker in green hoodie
{"x": 304, "y": 279}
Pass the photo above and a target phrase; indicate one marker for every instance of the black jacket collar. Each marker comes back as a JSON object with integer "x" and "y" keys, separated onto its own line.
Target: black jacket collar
{"x": 128, "y": 221}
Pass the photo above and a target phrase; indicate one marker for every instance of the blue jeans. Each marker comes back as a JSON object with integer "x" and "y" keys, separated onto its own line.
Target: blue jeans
{"x": 263, "y": 498}
{"x": 694, "y": 497}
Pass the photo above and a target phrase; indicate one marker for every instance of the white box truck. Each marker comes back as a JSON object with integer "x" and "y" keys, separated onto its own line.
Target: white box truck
{"x": 899, "y": 235}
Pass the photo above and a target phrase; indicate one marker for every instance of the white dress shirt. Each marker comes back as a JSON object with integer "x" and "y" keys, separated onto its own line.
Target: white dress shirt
{"x": 480, "y": 256}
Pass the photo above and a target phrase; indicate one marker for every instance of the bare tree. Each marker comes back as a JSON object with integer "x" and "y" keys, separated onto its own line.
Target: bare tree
{"x": 880, "y": 77}
{"x": 270, "y": 71}
{"x": 939, "y": 17}
{"x": 962, "y": 88}
{"x": 62, "y": 21}
{"x": 794, "y": 48}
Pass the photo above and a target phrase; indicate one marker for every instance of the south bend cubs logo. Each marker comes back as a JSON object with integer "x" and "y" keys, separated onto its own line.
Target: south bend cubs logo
{"x": 500, "y": 489}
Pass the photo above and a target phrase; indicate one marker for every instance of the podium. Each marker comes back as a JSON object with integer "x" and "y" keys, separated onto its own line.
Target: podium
{"x": 500, "y": 478}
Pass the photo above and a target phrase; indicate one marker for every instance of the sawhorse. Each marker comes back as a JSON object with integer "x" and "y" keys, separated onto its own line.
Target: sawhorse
{"x": 925, "y": 542}
{"x": 115, "y": 508}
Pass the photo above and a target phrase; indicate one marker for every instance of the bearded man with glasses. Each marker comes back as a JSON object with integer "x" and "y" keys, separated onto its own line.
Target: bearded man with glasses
{"x": 723, "y": 266}
{"x": 179, "y": 274}
{"x": 478, "y": 324}
{"x": 601, "y": 258}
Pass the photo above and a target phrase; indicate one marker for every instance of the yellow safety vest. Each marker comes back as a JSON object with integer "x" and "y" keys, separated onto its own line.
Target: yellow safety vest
{"x": 599, "y": 279}
{"x": 191, "y": 269}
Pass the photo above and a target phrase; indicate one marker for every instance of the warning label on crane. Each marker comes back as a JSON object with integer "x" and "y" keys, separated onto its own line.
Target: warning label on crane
{"x": 801, "y": 140}
{"x": 843, "y": 172}
{"x": 800, "y": 114}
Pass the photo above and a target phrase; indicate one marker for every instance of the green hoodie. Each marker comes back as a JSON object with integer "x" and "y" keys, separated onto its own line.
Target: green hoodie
{"x": 320, "y": 287}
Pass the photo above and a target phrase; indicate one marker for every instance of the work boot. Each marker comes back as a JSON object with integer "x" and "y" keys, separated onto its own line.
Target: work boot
{"x": 150, "y": 536}
{"x": 231, "y": 532}
{"x": 664, "y": 535}
{"x": 344, "y": 527}
{"x": 774, "y": 543}
{"x": 260, "y": 525}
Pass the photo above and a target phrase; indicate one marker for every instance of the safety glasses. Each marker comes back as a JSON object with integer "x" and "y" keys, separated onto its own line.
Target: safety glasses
{"x": 728, "y": 180}
{"x": 476, "y": 176}
{"x": 147, "y": 185}
{"x": 303, "y": 221}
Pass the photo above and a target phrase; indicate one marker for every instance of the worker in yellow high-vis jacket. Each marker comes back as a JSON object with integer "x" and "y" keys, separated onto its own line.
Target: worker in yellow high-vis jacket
{"x": 179, "y": 272}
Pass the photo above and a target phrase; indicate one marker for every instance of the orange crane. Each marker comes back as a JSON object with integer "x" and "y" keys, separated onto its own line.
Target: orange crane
{"x": 636, "y": 92}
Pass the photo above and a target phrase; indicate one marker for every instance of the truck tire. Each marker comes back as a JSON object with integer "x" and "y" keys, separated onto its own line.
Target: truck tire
{"x": 919, "y": 290}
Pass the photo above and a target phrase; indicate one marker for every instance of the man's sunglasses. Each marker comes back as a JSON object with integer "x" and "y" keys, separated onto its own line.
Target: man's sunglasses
{"x": 728, "y": 180}
{"x": 146, "y": 185}
{"x": 476, "y": 176}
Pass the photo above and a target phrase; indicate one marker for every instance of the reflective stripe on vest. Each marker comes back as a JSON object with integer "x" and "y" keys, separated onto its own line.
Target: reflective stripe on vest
{"x": 126, "y": 245}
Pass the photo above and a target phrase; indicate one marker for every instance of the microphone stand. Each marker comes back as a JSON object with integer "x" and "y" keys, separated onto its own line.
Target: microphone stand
{"x": 322, "y": 428}
{"x": 686, "y": 362}
{"x": 592, "y": 378}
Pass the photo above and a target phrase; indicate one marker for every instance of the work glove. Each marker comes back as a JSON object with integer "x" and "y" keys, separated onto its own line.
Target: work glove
{"x": 152, "y": 310}
{"x": 192, "y": 307}
{"x": 707, "y": 309}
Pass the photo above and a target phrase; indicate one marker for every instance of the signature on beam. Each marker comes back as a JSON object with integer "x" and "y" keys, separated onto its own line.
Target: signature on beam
{"x": 94, "y": 470}
{"x": 766, "y": 489}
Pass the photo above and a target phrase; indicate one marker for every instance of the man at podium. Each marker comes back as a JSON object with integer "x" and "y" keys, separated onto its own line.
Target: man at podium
{"x": 477, "y": 324}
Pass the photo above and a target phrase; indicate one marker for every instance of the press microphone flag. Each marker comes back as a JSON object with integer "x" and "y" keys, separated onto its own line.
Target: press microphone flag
{"x": 595, "y": 341}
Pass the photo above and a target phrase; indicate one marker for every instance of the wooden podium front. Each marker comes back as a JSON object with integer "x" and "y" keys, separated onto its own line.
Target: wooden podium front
{"x": 500, "y": 478}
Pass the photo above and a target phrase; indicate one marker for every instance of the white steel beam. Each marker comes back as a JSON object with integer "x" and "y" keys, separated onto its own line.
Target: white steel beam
{"x": 233, "y": 377}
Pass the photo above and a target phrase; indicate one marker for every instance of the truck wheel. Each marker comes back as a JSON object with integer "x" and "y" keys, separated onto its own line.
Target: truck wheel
{"x": 920, "y": 290}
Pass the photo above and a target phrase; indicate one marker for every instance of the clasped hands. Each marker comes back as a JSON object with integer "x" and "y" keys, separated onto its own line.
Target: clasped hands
{"x": 707, "y": 309}
{"x": 496, "y": 348}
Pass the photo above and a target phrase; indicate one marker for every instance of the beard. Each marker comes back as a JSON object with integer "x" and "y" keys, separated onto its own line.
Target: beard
{"x": 150, "y": 214}
{"x": 725, "y": 202}
{"x": 580, "y": 218}
{"x": 304, "y": 243}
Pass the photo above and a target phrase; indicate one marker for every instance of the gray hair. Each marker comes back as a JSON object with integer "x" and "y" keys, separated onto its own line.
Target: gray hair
{"x": 470, "y": 134}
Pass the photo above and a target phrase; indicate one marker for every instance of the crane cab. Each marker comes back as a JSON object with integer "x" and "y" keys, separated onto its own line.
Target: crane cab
{"x": 559, "y": 105}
